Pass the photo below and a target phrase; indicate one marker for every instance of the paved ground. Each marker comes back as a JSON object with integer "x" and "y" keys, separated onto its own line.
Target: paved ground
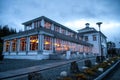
{"x": 13, "y": 64}
{"x": 49, "y": 74}
{"x": 114, "y": 74}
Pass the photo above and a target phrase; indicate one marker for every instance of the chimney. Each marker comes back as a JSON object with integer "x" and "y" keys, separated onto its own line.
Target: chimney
{"x": 87, "y": 25}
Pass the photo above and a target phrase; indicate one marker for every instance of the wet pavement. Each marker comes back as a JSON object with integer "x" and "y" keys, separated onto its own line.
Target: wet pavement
{"x": 50, "y": 73}
{"x": 114, "y": 74}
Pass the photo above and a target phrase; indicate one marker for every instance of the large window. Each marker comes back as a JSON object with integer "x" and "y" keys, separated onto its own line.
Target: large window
{"x": 58, "y": 46}
{"x": 63, "y": 31}
{"x": 29, "y": 26}
{"x": 7, "y": 46}
{"x": 36, "y": 24}
{"x": 70, "y": 34}
{"x": 14, "y": 45}
{"x": 94, "y": 38}
{"x": 47, "y": 43}
{"x": 57, "y": 29}
{"x": 47, "y": 25}
{"x": 22, "y": 44}
{"x": 33, "y": 42}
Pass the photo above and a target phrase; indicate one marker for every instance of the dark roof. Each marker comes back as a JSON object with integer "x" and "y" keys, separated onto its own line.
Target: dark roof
{"x": 49, "y": 20}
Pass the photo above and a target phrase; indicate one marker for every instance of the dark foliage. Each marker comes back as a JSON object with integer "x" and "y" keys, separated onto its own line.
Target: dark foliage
{"x": 5, "y": 31}
{"x": 35, "y": 76}
{"x": 74, "y": 67}
{"x": 88, "y": 63}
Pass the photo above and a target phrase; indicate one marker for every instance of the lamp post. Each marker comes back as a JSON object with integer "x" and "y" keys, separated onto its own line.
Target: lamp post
{"x": 100, "y": 47}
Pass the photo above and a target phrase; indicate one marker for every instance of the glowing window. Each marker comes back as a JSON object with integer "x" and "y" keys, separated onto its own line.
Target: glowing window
{"x": 47, "y": 43}
{"x": 14, "y": 45}
{"x": 22, "y": 44}
{"x": 34, "y": 42}
{"x": 7, "y": 48}
{"x": 47, "y": 25}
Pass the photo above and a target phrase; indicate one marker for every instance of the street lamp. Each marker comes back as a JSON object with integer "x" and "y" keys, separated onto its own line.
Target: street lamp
{"x": 100, "y": 47}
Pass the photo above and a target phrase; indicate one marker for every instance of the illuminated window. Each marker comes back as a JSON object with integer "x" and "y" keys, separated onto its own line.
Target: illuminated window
{"x": 58, "y": 46}
{"x": 47, "y": 43}
{"x": 14, "y": 45}
{"x": 22, "y": 44}
{"x": 47, "y": 25}
{"x": 33, "y": 43}
{"x": 94, "y": 38}
{"x": 65, "y": 46}
{"x": 63, "y": 31}
{"x": 57, "y": 29}
{"x": 70, "y": 34}
{"x": 7, "y": 48}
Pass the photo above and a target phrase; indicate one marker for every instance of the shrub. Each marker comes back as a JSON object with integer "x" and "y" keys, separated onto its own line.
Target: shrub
{"x": 64, "y": 78}
{"x": 80, "y": 76}
{"x": 35, "y": 76}
{"x": 88, "y": 63}
{"x": 1, "y": 57}
{"x": 89, "y": 72}
{"x": 74, "y": 67}
{"x": 98, "y": 59}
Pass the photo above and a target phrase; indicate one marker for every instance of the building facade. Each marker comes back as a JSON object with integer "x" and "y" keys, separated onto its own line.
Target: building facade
{"x": 41, "y": 38}
{"x": 91, "y": 35}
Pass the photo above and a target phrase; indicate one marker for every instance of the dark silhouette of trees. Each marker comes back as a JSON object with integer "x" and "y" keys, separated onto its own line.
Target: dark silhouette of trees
{"x": 5, "y": 31}
{"x": 111, "y": 49}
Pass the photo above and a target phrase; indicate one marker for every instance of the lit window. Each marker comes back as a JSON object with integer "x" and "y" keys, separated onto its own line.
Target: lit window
{"x": 7, "y": 46}
{"x": 47, "y": 43}
{"x": 94, "y": 38}
{"x": 47, "y": 25}
{"x": 33, "y": 42}
{"x": 58, "y": 46}
{"x": 63, "y": 31}
{"x": 57, "y": 29}
{"x": 69, "y": 34}
{"x": 86, "y": 38}
{"x": 14, "y": 45}
{"x": 22, "y": 44}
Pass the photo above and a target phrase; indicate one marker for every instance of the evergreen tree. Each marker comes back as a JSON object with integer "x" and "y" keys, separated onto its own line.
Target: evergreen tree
{"x": 5, "y": 31}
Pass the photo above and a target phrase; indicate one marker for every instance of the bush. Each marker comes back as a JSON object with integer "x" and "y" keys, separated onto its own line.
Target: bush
{"x": 64, "y": 78}
{"x": 80, "y": 76}
{"x": 89, "y": 72}
{"x": 1, "y": 57}
{"x": 88, "y": 63}
{"x": 74, "y": 67}
{"x": 98, "y": 59}
{"x": 35, "y": 76}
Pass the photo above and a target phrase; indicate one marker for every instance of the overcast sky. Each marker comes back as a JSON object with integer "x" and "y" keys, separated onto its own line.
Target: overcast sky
{"x": 71, "y": 13}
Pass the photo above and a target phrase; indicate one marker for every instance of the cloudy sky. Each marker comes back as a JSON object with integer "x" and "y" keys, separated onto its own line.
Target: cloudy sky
{"x": 71, "y": 13}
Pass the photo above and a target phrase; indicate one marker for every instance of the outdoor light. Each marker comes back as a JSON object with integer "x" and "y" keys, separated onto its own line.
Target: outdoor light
{"x": 46, "y": 42}
{"x": 99, "y": 25}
